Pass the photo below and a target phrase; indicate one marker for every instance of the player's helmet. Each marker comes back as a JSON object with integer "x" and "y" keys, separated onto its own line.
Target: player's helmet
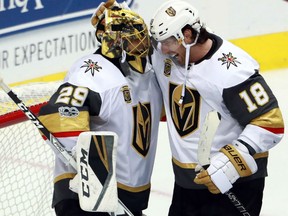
{"x": 171, "y": 17}
{"x": 123, "y": 30}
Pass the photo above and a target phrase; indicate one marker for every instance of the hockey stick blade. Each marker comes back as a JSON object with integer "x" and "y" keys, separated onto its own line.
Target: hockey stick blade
{"x": 206, "y": 137}
{"x": 52, "y": 141}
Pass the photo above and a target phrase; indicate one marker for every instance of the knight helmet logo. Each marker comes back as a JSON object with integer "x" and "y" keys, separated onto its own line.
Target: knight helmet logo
{"x": 185, "y": 115}
{"x": 171, "y": 11}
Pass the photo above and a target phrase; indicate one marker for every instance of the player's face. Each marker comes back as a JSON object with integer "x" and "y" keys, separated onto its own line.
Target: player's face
{"x": 173, "y": 48}
{"x": 138, "y": 47}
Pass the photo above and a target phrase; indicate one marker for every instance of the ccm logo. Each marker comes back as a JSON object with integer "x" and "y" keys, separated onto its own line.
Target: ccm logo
{"x": 84, "y": 173}
{"x": 30, "y": 115}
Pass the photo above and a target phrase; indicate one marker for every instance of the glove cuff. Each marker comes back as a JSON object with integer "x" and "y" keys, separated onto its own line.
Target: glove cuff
{"x": 223, "y": 183}
{"x": 237, "y": 160}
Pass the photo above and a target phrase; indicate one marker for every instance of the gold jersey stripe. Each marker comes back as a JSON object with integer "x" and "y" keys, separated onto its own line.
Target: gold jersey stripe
{"x": 270, "y": 119}
{"x": 64, "y": 176}
{"x": 133, "y": 189}
{"x": 55, "y": 123}
{"x": 261, "y": 155}
{"x": 184, "y": 165}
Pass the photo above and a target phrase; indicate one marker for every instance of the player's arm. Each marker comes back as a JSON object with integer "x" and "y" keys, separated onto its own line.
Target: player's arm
{"x": 68, "y": 110}
{"x": 255, "y": 107}
{"x": 67, "y": 116}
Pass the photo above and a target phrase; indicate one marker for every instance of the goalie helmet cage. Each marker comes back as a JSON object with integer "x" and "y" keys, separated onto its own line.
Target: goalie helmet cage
{"x": 26, "y": 161}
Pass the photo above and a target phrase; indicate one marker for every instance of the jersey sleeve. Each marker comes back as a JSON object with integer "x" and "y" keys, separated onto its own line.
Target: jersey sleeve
{"x": 254, "y": 106}
{"x": 69, "y": 109}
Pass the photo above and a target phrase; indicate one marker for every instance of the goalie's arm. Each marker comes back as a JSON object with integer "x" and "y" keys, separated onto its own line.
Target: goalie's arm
{"x": 51, "y": 140}
{"x": 70, "y": 108}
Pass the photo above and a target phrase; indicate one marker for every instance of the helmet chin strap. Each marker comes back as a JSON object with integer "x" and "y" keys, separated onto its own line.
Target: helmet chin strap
{"x": 123, "y": 58}
{"x": 187, "y": 47}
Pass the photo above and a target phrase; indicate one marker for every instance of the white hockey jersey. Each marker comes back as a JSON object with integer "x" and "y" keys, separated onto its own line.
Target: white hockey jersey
{"x": 98, "y": 95}
{"x": 225, "y": 80}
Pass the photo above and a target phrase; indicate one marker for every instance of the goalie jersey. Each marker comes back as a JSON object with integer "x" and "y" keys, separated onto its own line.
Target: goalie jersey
{"x": 100, "y": 94}
{"x": 226, "y": 80}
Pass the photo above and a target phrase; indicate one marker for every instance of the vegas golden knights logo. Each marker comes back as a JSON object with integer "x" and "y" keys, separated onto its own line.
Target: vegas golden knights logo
{"x": 170, "y": 11}
{"x": 167, "y": 67}
{"x": 142, "y": 128}
{"x": 126, "y": 94}
{"x": 185, "y": 116}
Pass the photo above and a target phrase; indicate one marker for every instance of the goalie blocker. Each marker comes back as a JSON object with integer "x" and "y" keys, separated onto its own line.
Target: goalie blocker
{"x": 95, "y": 182}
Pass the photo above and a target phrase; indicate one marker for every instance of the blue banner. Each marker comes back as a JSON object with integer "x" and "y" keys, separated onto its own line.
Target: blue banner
{"x": 18, "y": 15}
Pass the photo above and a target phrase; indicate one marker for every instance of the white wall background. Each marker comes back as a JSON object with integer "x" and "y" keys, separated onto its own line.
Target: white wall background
{"x": 232, "y": 18}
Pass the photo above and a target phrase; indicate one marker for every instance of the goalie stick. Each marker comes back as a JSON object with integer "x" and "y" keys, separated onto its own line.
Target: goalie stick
{"x": 64, "y": 155}
{"x": 204, "y": 147}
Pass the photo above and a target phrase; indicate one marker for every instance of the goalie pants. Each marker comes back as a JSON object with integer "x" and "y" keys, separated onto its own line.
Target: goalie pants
{"x": 200, "y": 202}
{"x": 71, "y": 207}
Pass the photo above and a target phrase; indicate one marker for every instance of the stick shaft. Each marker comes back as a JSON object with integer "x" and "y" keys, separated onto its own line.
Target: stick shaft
{"x": 204, "y": 147}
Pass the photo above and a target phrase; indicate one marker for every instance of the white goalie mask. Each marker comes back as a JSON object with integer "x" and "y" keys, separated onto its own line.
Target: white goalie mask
{"x": 171, "y": 17}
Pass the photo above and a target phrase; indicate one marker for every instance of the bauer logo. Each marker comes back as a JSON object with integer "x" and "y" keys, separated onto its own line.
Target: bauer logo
{"x": 30, "y": 14}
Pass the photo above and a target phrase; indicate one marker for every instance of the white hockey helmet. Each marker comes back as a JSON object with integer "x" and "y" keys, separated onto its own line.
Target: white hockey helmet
{"x": 171, "y": 17}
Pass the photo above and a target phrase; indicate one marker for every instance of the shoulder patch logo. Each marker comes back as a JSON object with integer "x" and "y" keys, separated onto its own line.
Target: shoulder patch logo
{"x": 229, "y": 59}
{"x": 126, "y": 93}
{"x": 91, "y": 66}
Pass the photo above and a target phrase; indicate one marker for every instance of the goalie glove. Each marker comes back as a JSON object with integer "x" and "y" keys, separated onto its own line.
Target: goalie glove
{"x": 226, "y": 166}
{"x": 100, "y": 10}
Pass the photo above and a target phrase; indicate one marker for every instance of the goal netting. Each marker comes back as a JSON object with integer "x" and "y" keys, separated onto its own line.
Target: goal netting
{"x": 26, "y": 162}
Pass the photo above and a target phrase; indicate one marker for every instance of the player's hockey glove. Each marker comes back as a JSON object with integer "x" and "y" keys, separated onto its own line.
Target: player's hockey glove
{"x": 232, "y": 162}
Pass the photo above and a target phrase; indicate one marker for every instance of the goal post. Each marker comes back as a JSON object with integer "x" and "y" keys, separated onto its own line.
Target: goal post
{"x": 26, "y": 161}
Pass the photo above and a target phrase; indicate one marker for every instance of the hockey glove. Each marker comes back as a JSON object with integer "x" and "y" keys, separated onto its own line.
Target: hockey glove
{"x": 226, "y": 166}
{"x": 100, "y": 11}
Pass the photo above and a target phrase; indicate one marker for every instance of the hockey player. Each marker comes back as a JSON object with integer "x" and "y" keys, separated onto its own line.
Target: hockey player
{"x": 199, "y": 71}
{"x": 113, "y": 89}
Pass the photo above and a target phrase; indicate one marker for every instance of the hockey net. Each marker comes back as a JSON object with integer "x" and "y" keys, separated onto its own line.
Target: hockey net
{"x": 26, "y": 162}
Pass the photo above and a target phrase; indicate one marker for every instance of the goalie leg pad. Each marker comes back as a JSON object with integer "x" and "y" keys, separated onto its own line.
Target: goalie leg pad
{"x": 96, "y": 178}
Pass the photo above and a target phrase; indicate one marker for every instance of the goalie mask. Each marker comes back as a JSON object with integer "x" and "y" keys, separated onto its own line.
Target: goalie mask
{"x": 123, "y": 30}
